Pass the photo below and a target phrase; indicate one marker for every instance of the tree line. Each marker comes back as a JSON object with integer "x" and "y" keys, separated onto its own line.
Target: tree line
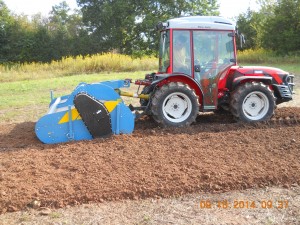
{"x": 123, "y": 26}
{"x": 41, "y": 39}
{"x": 128, "y": 27}
{"x": 276, "y": 26}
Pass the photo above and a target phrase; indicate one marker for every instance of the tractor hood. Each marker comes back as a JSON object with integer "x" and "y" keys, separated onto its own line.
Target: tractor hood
{"x": 259, "y": 70}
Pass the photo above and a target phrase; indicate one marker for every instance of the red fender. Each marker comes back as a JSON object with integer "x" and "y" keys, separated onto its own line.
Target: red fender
{"x": 168, "y": 78}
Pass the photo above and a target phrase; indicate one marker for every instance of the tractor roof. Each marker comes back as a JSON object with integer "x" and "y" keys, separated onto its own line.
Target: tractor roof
{"x": 201, "y": 22}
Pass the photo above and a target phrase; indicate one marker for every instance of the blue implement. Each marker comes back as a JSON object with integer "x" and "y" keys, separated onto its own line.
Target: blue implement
{"x": 64, "y": 123}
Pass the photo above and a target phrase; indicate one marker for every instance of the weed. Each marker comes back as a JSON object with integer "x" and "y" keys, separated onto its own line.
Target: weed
{"x": 55, "y": 215}
{"x": 146, "y": 220}
{"x": 24, "y": 217}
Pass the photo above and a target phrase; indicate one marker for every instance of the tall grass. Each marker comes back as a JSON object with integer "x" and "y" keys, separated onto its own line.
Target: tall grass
{"x": 98, "y": 63}
{"x": 110, "y": 63}
{"x": 260, "y": 56}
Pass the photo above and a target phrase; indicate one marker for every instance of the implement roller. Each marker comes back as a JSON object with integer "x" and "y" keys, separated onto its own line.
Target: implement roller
{"x": 198, "y": 72}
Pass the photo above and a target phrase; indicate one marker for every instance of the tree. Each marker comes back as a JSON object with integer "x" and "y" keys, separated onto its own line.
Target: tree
{"x": 42, "y": 39}
{"x": 128, "y": 25}
{"x": 125, "y": 26}
{"x": 6, "y": 22}
{"x": 60, "y": 13}
{"x": 282, "y": 28}
{"x": 252, "y": 23}
{"x": 246, "y": 27}
{"x": 276, "y": 26}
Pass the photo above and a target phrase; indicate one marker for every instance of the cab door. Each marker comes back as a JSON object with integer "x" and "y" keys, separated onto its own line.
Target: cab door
{"x": 213, "y": 53}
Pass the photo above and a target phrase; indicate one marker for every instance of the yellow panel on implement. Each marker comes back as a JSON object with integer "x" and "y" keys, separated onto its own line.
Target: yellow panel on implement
{"x": 65, "y": 118}
{"x": 111, "y": 105}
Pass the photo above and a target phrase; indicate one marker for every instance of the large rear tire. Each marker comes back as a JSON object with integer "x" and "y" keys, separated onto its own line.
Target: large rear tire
{"x": 175, "y": 104}
{"x": 253, "y": 102}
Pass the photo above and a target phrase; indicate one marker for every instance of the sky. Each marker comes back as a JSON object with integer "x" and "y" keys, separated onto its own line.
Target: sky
{"x": 228, "y": 8}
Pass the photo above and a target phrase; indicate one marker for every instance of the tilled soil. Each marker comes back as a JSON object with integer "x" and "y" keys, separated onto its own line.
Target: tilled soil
{"x": 216, "y": 154}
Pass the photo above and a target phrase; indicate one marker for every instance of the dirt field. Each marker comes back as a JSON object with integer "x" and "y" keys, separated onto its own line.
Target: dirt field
{"x": 214, "y": 155}
{"x": 177, "y": 210}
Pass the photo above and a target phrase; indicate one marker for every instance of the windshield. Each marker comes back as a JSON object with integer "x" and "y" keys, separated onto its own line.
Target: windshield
{"x": 164, "y": 51}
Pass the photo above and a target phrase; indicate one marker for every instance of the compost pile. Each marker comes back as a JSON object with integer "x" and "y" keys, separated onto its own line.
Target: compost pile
{"x": 215, "y": 154}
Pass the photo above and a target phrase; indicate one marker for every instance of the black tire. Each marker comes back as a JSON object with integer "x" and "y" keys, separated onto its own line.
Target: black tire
{"x": 175, "y": 104}
{"x": 252, "y": 102}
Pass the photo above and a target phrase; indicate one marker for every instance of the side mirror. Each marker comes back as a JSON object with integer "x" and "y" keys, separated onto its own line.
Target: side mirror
{"x": 242, "y": 40}
{"x": 161, "y": 26}
{"x": 241, "y": 37}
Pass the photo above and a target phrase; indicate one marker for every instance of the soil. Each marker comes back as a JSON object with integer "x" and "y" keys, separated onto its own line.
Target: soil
{"x": 186, "y": 209}
{"x": 216, "y": 154}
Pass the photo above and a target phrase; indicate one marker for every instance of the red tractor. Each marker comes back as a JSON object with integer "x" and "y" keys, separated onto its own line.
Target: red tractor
{"x": 198, "y": 72}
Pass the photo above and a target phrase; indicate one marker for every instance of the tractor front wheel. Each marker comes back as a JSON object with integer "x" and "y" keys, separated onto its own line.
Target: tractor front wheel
{"x": 175, "y": 104}
{"x": 252, "y": 102}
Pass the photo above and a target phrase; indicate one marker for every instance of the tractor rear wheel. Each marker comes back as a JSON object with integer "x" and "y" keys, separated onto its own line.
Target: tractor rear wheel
{"x": 175, "y": 104}
{"x": 253, "y": 102}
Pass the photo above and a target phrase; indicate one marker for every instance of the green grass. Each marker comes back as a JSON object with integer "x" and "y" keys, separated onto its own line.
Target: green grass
{"x": 28, "y": 100}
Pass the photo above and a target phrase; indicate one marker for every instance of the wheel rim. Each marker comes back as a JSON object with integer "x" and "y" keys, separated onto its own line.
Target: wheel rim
{"x": 255, "y": 105}
{"x": 177, "y": 107}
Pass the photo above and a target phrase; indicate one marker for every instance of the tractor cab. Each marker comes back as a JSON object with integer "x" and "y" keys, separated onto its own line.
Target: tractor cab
{"x": 196, "y": 45}
{"x": 200, "y": 47}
